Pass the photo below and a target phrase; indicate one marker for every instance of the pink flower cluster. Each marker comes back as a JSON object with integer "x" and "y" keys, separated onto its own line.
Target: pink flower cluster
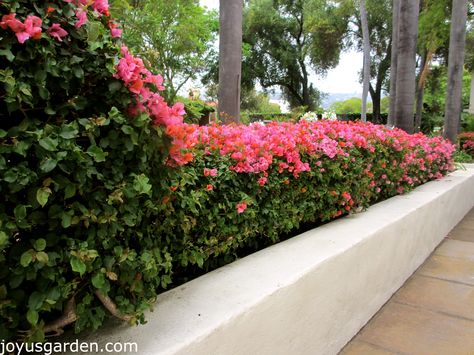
{"x": 31, "y": 26}
{"x": 466, "y": 141}
{"x": 289, "y": 147}
{"x": 133, "y": 73}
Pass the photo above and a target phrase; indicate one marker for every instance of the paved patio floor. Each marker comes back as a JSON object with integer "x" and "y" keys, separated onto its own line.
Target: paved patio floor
{"x": 433, "y": 312}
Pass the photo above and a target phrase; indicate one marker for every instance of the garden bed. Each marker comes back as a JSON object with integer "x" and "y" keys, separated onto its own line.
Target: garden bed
{"x": 310, "y": 294}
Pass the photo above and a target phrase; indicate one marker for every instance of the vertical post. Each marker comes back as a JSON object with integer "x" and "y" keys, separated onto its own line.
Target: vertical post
{"x": 230, "y": 59}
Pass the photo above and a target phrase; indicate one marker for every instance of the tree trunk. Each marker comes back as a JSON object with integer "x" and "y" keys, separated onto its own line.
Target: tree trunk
{"x": 394, "y": 62}
{"x": 420, "y": 90}
{"x": 406, "y": 64}
{"x": 376, "y": 97}
{"x": 230, "y": 59}
{"x": 471, "y": 97}
{"x": 366, "y": 68}
{"x": 457, "y": 40}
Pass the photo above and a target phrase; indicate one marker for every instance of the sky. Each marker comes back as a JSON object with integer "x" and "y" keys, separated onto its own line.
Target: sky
{"x": 342, "y": 79}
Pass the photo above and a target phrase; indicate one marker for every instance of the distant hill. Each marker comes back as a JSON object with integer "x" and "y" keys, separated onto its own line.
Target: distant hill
{"x": 327, "y": 101}
{"x": 333, "y": 97}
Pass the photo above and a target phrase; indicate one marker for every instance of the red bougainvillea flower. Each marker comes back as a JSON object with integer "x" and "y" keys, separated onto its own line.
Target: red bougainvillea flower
{"x": 209, "y": 187}
{"x": 241, "y": 207}
{"x": 57, "y": 32}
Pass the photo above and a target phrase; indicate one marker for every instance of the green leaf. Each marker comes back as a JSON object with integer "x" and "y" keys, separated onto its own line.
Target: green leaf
{"x": 48, "y": 164}
{"x": 20, "y": 212}
{"x": 26, "y": 258}
{"x": 97, "y": 153}
{"x": 36, "y": 300}
{"x": 7, "y": 53}
{"x": 68, "y": 132}
{"x": 42, "y": 195}
{"x": 98, "y": 280}
{"x": 3, "y": 239}
{"x": 93, "y": 30}
{"x": 39, "y": 244}
{"x": 49, "y": 111}
{"x": 32, "y": 316}
{"x": 78, "y": 265}
{"x": 78, "y": 72}
{"x": 48, "y": 143}
{"x": 69, "y": 191}
{"x": 3, "y": 133}
{"x": 141, "y": 184}
{"x": 42, "y": 257}
{"x": 127, "y": 129}
{"x": 66, "y": 219}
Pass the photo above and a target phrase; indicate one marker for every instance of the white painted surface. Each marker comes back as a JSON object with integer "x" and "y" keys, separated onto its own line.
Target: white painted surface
{"x": 307, "y": 295}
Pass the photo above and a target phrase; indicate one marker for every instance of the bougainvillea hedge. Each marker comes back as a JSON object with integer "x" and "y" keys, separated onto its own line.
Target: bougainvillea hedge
{"x": 466, "y": 142}
{"x": 101, "y": 210}
{"x": 244, "y": 186}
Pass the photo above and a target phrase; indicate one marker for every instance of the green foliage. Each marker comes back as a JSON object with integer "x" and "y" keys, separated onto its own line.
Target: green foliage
{"x": 174, "y": 38}
{"x": 195, "y": 109}
{"x": 79, "y": 180}
{"x": 352, "y": 105}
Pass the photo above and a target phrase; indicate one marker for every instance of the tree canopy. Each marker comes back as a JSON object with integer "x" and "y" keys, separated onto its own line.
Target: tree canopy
{"x": 175, "y": 38}
{"x": 286, "y": 39}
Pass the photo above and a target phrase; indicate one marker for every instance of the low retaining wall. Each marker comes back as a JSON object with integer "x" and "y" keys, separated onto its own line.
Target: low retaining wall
{"x": 310, "y": 294}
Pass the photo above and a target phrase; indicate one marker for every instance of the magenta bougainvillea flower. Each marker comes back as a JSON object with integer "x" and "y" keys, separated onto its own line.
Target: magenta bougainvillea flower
{"x": 57, "y": 32}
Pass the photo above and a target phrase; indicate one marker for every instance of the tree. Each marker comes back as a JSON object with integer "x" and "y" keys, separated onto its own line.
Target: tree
{"x": 366, "y": 67}
{"x": 394, "y": 61}
{"x": 230, "y": 59}
{"x": 455, "y": 70}
{"x": 433, "y": 36}
{"x": 379, "y": 14}
{"x": 469, "y": 62}
{"x": 406, "y": 64}
{"x": 174, "y": 38}
{"x": 288, "y": 38}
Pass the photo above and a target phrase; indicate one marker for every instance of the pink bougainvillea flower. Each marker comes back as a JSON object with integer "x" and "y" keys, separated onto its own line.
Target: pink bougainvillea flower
{"x": 31, "y": 28}
{"x": 10, "y": 21}
{"x": 210, "y": 172}
{"x": 81, "y": 15}
{"x": 209, "y": 187}
{"x": 241, "y": 207}
{"x": 114, "y": 30}
{"x": 262, "y": 180}
{"x": 57, "y": 32}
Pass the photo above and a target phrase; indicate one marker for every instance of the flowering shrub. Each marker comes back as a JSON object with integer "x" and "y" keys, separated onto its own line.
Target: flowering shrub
{"x": 466, "y": 142}
{"x": 310, "y": 116}
{"x": 80, "y": 171}
{"x": 93, "y": 223}
{"x": 269, "y": 179}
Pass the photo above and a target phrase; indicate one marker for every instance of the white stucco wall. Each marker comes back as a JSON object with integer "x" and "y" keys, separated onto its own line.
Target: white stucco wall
{"x": 307, "y": 295}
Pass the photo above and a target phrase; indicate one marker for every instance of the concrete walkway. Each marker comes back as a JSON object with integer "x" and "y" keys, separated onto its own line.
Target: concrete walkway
{"x": 433, "y": 312}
